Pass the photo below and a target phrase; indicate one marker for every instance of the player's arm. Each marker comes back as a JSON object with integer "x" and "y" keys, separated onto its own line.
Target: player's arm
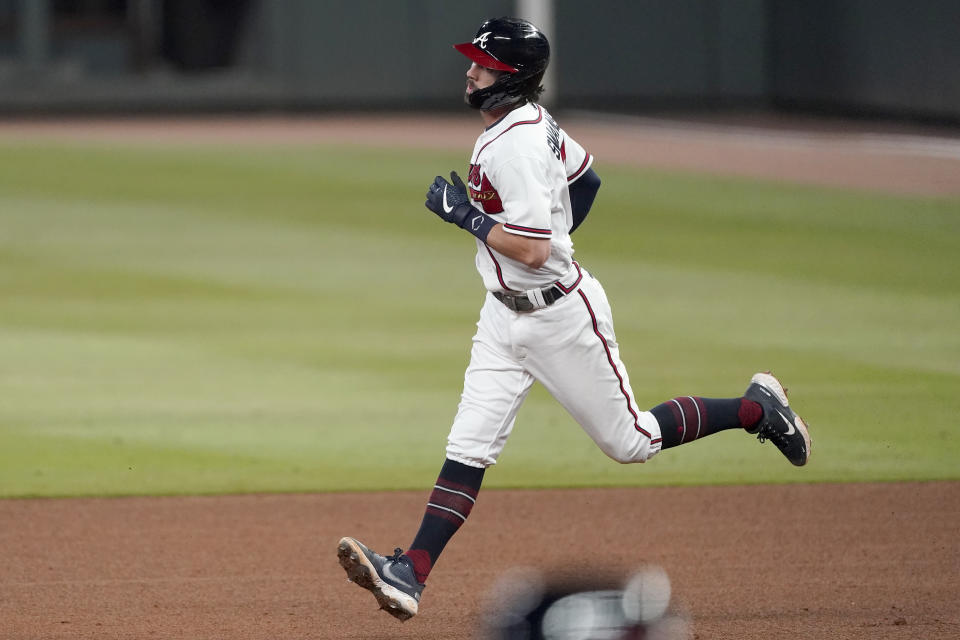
{"x": 450, "y": 201}
{"x": 533, "y": 252}
{"x": 582, "y": 193}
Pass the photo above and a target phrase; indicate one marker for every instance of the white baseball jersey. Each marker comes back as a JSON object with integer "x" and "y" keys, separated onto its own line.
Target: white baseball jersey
{"x": 519, "y": 172}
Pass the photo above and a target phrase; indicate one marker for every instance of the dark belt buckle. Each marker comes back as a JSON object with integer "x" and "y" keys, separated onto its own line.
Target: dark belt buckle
{"x": 508, "y": 301}
{"x": 520, "y": 304}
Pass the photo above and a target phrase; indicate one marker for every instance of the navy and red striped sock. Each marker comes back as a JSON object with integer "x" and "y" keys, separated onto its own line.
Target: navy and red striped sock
{"x": 449, "y": 505}
{"x": 689, "y": 418}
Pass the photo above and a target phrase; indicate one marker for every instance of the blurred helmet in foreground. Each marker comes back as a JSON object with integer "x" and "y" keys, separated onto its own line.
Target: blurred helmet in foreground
{"x": 526, "y": 605}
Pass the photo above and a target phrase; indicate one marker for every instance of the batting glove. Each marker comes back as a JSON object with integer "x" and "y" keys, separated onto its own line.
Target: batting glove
{"x": 451, "y": 202}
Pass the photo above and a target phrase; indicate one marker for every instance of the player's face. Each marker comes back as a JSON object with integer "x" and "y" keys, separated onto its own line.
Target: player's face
{"x": 480, "y": 77}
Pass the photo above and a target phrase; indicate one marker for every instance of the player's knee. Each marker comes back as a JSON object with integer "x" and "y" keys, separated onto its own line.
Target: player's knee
{"x": 635, "y": 438}
{"x": 624, "y": 456}
{"x": 621, "y": 458}
{"x": 623, "y": 451}
{"x": 633, "y": 445}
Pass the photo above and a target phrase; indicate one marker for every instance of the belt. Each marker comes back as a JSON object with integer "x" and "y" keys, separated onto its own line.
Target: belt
{"x": 530, "y": 300}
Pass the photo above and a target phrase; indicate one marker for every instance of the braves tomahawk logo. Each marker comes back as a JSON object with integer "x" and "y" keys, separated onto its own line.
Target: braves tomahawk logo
{"x": 482, "y": 192}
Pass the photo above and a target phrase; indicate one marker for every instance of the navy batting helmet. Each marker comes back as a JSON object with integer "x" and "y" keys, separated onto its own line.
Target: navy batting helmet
{"x": 514, "y": 47}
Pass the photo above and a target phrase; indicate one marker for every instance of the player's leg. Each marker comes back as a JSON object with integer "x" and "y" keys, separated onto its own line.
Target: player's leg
{"x": 687, "y": 418}
{"x": 495, "y": 386}
{"x": 573, "y": 352}
{"x": 763, "y": 410}
{"x": 585, "y": 373}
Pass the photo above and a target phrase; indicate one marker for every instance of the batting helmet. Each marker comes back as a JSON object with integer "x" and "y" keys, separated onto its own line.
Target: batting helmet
{"x": 519, "y": 50}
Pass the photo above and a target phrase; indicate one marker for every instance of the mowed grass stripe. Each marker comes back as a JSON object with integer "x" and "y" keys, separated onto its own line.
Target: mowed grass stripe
{"x": 292, "y": 319}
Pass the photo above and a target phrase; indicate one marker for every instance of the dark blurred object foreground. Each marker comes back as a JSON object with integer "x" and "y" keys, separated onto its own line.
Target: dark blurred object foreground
{"x": 529, "y": 605}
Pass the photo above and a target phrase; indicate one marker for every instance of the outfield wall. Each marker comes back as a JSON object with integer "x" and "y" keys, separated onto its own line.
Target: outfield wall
{"x": 861, "y": 57}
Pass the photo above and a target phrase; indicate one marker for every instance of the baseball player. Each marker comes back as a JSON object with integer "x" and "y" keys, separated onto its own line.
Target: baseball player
{"x": 545, "y": 318}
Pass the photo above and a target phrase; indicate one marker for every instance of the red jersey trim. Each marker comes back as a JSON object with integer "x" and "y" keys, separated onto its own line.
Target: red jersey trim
{"x": 576, "y": 283}
{"x": 531, "y": 230}
{"x": 499, "y": 271}
{"x": 583, "y": 167}
{"x": 616, "y": 372}
{"x": 515, "y": 124}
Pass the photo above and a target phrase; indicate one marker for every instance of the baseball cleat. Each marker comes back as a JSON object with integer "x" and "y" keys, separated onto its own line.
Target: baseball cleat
{"x": 779, "y": 424}
{"x": 390, "y": 579}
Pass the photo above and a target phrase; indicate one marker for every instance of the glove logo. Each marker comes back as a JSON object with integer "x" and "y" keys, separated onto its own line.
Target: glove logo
{"x": 481, "y": 39}
{"x": 446, "y": 207}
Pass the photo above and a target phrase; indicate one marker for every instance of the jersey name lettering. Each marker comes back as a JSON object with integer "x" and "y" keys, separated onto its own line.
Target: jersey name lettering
{"x": 553, "y": 138}
{"x": 482, "y": 192}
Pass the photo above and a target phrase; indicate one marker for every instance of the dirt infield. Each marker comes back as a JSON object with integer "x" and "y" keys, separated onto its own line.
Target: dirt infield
{"x": 890, "y": 160}
{"x": 810, "y": 561}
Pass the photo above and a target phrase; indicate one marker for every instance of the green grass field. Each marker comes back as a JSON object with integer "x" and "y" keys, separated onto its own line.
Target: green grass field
{"x": 204, "y": 320}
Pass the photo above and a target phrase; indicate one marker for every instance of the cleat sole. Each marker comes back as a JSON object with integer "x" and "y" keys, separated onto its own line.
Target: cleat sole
{"x": 802, "y": 428}
{"x": 361, "y": 573}
{"x": 770, "y": 382}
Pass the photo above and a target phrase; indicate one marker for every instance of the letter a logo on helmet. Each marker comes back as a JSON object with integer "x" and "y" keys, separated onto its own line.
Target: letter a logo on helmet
{"x": 514, "y": 47}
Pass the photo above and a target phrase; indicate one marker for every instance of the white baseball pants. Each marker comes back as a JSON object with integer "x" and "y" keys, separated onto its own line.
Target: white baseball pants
{"x": 570, "y": 348}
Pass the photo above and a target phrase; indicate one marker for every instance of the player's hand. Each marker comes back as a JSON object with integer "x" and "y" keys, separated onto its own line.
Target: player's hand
{"x": 449, "y": 200}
